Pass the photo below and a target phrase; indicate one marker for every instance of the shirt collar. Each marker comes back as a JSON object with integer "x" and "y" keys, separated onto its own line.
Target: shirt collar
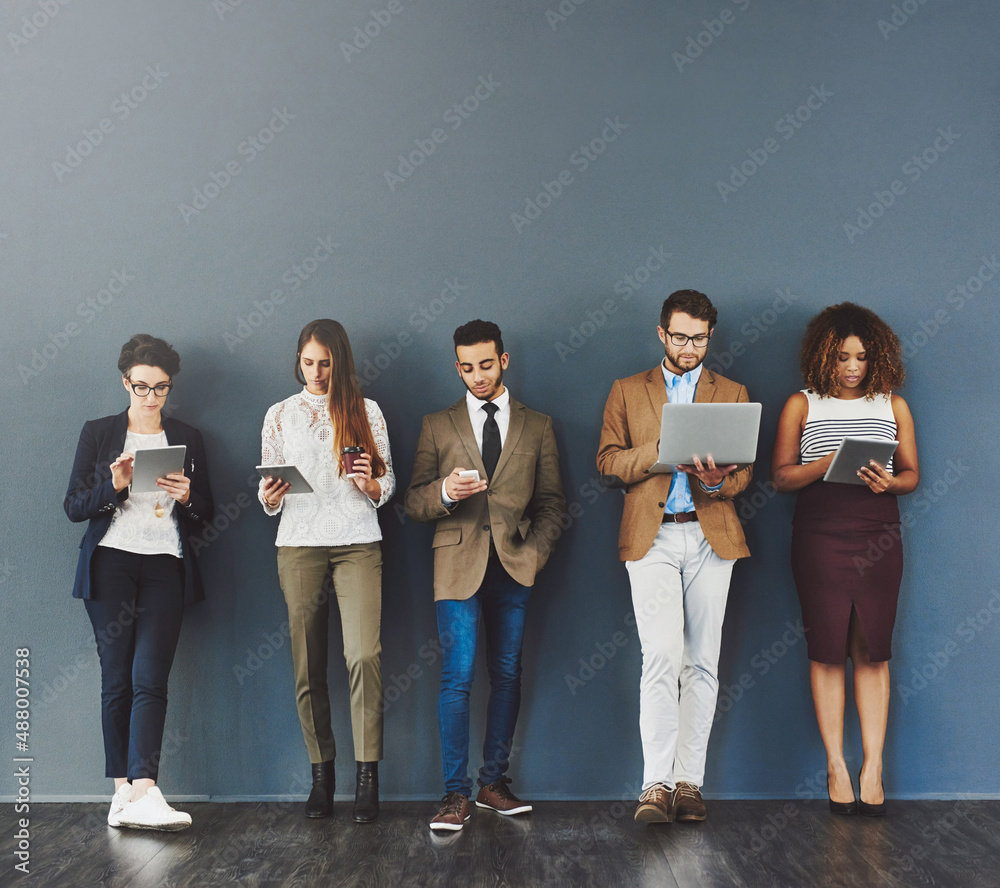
{"x": 474, "y": 404}
{"x": 672, "y": 379}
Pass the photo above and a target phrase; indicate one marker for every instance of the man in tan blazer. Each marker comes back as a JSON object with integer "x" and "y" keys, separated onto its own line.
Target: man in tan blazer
{"x": 487, "y": 471}
{"x": 680, "y": 536}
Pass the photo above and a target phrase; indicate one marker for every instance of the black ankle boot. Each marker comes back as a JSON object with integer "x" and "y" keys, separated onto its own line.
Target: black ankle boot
{"x": 366, "y": 793}
{"x": 320, "y": 802}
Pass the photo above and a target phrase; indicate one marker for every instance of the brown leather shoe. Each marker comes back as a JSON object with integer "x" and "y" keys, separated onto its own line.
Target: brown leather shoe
{"x": 497, "y": 797}
{"x": 453, "y": 814}
{"x": 655, "y": 805}
{"x": 688, "y": 803}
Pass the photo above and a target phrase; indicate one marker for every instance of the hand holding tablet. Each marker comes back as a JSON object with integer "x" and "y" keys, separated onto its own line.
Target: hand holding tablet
{"x": 855, "y": 456}
{"x": 151, "y": 465}
{"x": 280, "y": 481}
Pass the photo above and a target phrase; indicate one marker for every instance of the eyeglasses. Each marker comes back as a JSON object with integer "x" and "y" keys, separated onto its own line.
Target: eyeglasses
{"x": 700, "y": 341}
{"x": 142, "y": 390}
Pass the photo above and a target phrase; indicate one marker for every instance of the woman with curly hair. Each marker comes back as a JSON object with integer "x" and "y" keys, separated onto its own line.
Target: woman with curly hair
{"x": 851, "y": 363}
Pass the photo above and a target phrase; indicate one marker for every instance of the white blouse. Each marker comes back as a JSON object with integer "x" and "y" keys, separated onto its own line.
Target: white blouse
{"x": 297, "y": 431}
{"x": 135, "y": 526}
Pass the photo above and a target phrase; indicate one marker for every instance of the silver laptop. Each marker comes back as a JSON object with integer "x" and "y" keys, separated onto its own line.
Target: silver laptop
{"x": 726, "y": 431}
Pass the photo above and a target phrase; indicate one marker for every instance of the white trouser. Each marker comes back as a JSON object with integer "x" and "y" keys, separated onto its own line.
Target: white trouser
{"x": 679, "y": 592}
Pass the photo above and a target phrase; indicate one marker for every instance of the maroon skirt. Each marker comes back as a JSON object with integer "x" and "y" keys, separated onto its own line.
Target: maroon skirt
{"x": 847, "y": 553}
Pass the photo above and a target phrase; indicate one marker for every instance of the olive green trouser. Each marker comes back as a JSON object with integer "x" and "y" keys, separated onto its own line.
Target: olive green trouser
{"x": 309, "y": 576}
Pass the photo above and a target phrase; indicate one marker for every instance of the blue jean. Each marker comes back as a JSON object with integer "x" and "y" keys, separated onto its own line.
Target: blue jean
{"x": 503, "y": 604}
{"x": 136, "y": 613}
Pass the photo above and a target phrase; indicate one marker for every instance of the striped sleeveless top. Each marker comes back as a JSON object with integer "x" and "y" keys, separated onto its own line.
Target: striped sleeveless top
{"x": 830, "y": 420}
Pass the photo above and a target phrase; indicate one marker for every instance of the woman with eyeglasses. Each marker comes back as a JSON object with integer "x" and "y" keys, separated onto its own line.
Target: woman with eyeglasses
{"x": 329, "y": 547}
{"x": 137, "y": 572}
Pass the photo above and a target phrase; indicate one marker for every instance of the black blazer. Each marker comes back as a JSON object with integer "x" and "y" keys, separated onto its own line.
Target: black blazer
{"x": 92, "y": 496}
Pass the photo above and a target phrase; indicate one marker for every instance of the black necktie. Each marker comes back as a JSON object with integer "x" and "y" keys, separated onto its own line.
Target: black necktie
{"x": 491, "y": 441}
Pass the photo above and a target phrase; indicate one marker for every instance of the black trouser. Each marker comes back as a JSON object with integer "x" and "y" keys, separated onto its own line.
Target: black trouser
{"x": 136, "y": 611}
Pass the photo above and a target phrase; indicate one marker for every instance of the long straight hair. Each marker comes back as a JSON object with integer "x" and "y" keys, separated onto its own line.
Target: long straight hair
{"x": 344, "y": 400}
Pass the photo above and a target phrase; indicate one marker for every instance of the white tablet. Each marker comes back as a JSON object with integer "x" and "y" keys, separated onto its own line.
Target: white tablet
{"x": 853, "y": 453}
{"x": 152, "y": 463}
{"x": 291, "y": 474}
{"x": 726, "y": 431}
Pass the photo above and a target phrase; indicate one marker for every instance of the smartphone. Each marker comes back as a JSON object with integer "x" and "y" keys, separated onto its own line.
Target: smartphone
{"x": 470, "y": 473}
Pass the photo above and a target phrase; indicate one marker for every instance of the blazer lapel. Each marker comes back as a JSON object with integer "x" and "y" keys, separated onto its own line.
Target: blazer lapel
{"x": 656, "y": 388}
{"x": 514, "y": 429}
{"x": 118, "y": 432}
{"x": 463, "y": 426}
{"x": 705, "y": 390}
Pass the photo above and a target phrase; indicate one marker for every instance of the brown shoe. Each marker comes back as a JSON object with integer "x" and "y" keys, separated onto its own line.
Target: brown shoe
{"x": 497, "y": 797}
{"x": 688, "y": 803}
{"x": 453, "y": 814}
{"x": 655, "y": 805}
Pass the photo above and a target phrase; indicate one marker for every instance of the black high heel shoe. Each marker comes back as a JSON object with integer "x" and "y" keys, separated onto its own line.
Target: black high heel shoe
{"x": 867, "y": 810}
{"x": 846, "y": 808}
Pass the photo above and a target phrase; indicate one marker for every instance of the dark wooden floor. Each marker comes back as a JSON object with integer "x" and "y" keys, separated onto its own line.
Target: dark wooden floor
{"x": 744, "y": 843}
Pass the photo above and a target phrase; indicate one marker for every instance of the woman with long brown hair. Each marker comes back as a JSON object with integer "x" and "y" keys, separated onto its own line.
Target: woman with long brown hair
{"x": 851, "y": 363}
{"x": 328, "y": 543}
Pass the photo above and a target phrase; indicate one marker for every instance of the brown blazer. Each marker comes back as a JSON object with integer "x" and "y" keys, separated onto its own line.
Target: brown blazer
{"x": 630, "y": 439}
{"x": 524, "y": 505}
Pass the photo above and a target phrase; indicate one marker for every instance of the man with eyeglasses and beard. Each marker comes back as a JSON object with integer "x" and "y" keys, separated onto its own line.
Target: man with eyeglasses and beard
{"x": 679, "y": 539}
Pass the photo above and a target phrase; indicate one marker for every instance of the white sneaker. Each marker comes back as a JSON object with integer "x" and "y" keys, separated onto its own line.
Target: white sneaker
{"x": 153, "y": 812}
{"x": 118, "y": 802}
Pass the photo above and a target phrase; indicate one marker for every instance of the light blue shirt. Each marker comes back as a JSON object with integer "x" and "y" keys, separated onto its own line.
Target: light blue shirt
{"x": 680, "y": 390}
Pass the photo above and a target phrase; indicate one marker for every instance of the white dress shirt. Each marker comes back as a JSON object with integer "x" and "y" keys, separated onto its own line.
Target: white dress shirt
{"x": 477, "y": 416}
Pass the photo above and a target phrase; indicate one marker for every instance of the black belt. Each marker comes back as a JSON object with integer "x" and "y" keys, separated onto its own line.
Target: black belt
{"x": 679, "y": 517}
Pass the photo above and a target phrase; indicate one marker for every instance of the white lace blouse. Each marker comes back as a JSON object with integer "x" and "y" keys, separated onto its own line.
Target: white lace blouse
{"x": 297, "y": 431}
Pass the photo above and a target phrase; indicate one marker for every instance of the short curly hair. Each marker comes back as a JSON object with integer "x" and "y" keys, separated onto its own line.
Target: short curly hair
{"x": 145, "y": 349}
{"x": 478, "y": 331}
{"x": 825, "y": 334}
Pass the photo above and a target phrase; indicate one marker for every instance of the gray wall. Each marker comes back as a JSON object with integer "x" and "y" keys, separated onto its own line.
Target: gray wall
{"x": 193, "y": 156}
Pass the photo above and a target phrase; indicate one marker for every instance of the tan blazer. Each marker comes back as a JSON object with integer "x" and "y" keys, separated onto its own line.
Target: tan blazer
{"x": 630, "y": 439}
{"x": 524, "y": 505}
